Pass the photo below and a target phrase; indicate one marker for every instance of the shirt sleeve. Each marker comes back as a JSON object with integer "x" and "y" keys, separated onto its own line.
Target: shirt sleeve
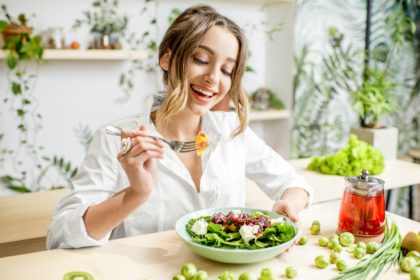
{"x": 269, "y": 170}
{"x": 95, "y": 181}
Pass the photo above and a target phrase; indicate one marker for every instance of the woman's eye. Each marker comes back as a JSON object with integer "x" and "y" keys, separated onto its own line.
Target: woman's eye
{"x": 226, "y": 72}
{"x": 200, "y": 61}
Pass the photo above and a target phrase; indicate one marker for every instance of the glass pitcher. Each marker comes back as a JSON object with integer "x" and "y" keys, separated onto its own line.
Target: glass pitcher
{"x": 363, "y": 206}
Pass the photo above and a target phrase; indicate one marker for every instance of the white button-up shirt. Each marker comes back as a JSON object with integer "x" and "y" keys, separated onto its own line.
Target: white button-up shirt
{"x": 225, "y": 165}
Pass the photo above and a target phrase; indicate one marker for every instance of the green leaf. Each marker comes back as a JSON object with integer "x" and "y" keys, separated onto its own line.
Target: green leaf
{"x": 11, "y": 61}
{"x": 20, "y": 112}
{"x": 26, "y": 101}
{"x": 16, "y": 88}
{"x": 21, "y": 189}
{"x": 249, "y": 69}
{"x": 3, "y": 25}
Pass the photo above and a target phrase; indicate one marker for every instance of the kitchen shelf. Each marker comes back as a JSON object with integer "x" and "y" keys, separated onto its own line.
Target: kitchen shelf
{"x": 89, "y": 54}
{"x": 269, "y": 115}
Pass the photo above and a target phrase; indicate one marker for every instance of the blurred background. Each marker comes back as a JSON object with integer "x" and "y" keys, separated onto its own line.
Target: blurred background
{"x": 316, "y": 70}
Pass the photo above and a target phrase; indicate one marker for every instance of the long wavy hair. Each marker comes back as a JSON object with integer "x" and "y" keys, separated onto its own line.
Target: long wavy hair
{"x": 182, "y": 39}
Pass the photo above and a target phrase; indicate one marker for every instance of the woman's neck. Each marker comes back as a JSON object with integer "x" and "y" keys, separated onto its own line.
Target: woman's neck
{"x": 183, "y": 127}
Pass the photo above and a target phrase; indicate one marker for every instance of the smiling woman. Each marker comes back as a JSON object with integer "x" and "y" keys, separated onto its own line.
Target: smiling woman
{"x": 203, "y": 56}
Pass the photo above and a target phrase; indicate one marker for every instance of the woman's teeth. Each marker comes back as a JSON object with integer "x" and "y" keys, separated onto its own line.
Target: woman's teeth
{"x": 205, "y": 92}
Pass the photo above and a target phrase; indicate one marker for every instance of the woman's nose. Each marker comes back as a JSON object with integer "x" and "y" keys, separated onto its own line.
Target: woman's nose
{"x": 211, "y": 76}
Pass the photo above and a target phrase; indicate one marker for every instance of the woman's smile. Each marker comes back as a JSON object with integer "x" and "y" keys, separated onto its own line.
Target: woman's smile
{"x": 202, "y": 94}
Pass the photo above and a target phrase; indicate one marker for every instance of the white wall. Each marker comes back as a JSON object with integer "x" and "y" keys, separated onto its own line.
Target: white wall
{"x": 71, "y": 93}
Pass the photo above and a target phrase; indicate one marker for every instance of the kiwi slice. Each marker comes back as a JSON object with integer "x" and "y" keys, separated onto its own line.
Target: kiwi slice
{"x": 78, "y": 275}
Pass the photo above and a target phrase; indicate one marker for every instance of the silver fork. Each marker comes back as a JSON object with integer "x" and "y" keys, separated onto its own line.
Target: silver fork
{"x": 177, "y": 146}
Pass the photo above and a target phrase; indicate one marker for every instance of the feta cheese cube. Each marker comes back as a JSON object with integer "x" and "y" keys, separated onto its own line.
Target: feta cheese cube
{"x": 248, "y": 232}
{"x": 200, "y": 227}
{"x": 278, "y": 221}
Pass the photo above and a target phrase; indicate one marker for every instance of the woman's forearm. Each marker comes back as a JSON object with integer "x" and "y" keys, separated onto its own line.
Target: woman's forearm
{"x": 102, "y": 218}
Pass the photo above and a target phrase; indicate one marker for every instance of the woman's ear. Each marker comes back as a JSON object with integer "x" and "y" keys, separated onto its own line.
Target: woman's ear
{"x": 164, "y": 60}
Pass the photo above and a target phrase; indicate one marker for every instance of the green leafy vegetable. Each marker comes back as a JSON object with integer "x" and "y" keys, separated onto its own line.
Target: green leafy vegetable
{"x": 350, "y": 160}
{"x": 219, "y": 236}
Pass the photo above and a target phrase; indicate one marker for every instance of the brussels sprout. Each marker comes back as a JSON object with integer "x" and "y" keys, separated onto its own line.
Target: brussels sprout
{"x": 266, "y": 274}
{"x": 341, "y": 265}
{"x": 316, "y": 222}
{"x": 351, "y": 248}
{"x": 334, "y": 236}
{"x": 334, "y": 257}
{"x": 372, "y": 247}
{"x": 414, "y": 254}
{"x": 321, "y": 262}
{"x": 361, "y": 244}
{"x": 291, "y": 272}
{"x": 315, "y": 229}
{"x": 359, "y": 252}
{"x": 188, "y": 270}
{"x": 201, "y": 275}
{"x": 415, "y": 273}
{"x": 226, "y": 275}
{"x": 332, "y": 243}
{"x": 337, "y": 248}
{"x": 178, "y": 277}
{"x": 303, "y": 240}
{"x": 346, "y": 239}
{"x": 408, "y": 263}
{"x": 248, "y": 276}
{"x": 323, "y": 241}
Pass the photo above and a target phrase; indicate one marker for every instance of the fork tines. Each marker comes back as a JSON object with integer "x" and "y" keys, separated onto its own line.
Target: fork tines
{"x": 188, "y": 147}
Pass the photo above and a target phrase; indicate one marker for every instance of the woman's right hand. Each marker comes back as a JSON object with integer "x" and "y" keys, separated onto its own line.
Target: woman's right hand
{"x": 139, "y": 163}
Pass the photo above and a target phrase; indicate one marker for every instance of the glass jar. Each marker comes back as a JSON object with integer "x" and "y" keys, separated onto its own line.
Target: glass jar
{"x": 363, "y": 206}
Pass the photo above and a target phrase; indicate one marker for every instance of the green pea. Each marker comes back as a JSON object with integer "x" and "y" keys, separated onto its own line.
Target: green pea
{"x": 266, "y": 274}
{"x": 315, "y": 229}
{"x": 408, "y": 263}
{"x": 323, "y": 241}
{"x": 178, "y": 277}
{"x": 359, "y": 253}
{"x": 303, "y": 240}
{"x": 226, "y": 275}
{"x": 248, "y": 276}
{"x": 346, "y": 239}
{"x": 321, "y": 262}
{"x": 334, "y": 257}
{"x": 201, "y": 275}
{"x": 291, "y": 272}
{"x": 341, "y": 265}
{"x": 415, "y": 273}
{"x": 188, "y": 270}
{"x": 372, "y": 247}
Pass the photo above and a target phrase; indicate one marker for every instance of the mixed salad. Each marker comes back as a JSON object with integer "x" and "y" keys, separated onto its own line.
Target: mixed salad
{"x": 240, "y": 230}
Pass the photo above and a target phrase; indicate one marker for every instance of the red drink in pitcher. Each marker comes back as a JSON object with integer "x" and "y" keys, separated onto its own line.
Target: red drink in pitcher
{"x": 363, "y": 206}
{"x": 362, "y": 215}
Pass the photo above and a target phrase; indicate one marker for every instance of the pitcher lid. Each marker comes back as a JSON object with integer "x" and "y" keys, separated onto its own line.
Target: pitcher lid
{"x": 364, "y": 181}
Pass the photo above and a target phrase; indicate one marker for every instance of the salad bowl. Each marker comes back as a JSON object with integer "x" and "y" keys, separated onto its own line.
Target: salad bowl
{"x": 226, "y": 254}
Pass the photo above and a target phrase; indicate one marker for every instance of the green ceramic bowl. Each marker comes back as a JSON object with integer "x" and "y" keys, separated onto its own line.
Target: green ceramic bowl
{"x": 231, "y": 255}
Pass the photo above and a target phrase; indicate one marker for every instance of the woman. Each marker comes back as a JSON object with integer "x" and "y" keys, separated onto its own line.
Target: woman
{"x": 203, "y": 56}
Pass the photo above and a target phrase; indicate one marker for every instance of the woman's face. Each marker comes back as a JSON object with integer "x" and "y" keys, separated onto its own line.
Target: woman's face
{"x": 210, "y": 69}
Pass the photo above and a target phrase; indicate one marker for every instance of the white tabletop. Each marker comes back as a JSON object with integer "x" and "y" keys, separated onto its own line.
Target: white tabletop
{"x": 161, "y": 255}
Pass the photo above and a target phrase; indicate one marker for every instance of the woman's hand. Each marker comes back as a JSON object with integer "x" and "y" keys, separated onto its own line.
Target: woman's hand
{"x": 287, "y": 209}
{"x": 139, "y": 163}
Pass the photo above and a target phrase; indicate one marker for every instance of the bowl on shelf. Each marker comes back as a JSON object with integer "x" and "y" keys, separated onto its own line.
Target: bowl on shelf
{"x": 232, "y": 255}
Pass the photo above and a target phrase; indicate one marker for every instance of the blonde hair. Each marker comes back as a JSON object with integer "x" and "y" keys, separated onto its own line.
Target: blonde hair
{"x": 181, "y": 40}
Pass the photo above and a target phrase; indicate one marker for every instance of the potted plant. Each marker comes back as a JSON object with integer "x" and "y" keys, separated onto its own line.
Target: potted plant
{"x": 106, "y": 25}
{"x": 372, "y": 100}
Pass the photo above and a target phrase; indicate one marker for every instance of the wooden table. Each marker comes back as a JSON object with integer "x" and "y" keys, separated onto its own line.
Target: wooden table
{"x": 24, "y": 218}
{"x": 161, "y": 255}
